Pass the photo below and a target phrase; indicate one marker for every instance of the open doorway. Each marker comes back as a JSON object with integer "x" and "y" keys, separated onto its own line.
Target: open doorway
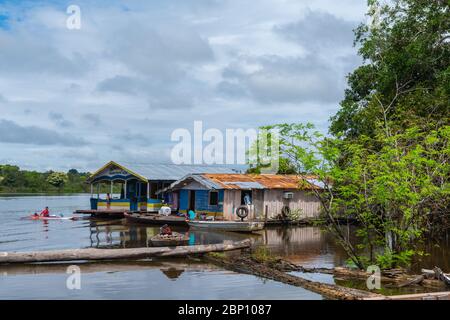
{"x": 246, "y": 197}
{"x": 191, "y": 200}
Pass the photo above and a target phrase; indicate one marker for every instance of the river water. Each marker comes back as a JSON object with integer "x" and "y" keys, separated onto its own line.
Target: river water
{"x": 152, "y": 279}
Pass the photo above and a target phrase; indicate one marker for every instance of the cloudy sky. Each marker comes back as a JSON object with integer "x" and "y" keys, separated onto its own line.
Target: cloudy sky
{"x": 136, "y": 70}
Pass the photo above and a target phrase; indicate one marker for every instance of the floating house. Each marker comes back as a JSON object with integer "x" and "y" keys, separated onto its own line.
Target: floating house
{"x": 140, "y": 185}
{"x": 266, "y": 196}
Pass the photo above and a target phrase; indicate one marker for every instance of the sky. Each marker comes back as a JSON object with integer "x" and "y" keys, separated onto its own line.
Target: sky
{"x": 117, "y": 87}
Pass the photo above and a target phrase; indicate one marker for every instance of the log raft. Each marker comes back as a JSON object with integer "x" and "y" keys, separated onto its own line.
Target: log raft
{"x": 117, "y": 254}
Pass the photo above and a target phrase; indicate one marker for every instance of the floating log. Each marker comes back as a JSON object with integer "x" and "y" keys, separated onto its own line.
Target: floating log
{"x": 442, "y": 276}
{"x": 244, "y": 264}
{"x": 114, "y": 254}
{"x": 416, "y": 280}
{"x": 393, "y": 278}
{"x": 277, "y": 272}
{"x": 417, "y": 296}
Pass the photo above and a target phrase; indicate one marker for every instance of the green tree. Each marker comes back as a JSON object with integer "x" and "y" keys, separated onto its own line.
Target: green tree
{"x": 13, "y": 180}
{"x": 394, "y": 192}
{"x": 57, "y": 179}
{"x": 405, "y": 78}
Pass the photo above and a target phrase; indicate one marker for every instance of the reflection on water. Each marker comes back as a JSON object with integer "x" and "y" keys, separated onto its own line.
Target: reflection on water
{"x": 308, "y": 246}
{"x": 121, "y": 234}
{"x": 175, "y": 279}
{"x": 171, "y": 279}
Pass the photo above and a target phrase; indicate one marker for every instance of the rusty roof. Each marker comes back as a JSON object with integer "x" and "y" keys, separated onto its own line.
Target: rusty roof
{"x": 258, "y": 181}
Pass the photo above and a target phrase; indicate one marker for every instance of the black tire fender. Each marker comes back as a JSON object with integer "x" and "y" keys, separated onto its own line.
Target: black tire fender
{"x": 242, "y": 212}
{"x": 285, "y": 212}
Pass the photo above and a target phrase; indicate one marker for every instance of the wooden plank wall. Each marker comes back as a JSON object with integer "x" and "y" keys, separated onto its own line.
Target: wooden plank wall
{"x": 307, "y": 203}
{"x": 273, "y": 199}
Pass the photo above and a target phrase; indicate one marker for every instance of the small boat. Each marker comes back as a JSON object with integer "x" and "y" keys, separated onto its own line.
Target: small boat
{"x": 155, "y": 219}
{"x": 237, "y": 226}
{"x": 51, "y": 217}
{"x": 164, "y": 240}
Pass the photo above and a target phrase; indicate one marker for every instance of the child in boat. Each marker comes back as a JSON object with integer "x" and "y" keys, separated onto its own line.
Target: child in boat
{"x": 45, "y": 212}
{"x": 165, "y": 230}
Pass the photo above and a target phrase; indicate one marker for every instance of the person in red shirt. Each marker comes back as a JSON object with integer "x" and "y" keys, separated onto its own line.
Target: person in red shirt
{"x": 45, "y": 212}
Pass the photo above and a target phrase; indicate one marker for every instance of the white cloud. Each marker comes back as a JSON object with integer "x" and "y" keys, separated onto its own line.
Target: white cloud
{"x": 11, "y": 132}
{"x": 136, "y": 71}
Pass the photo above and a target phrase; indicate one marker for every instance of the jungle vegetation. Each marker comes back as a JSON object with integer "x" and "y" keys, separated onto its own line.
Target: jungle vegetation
{"x": 386, "y": 159}
{"x": 15, "y": 180}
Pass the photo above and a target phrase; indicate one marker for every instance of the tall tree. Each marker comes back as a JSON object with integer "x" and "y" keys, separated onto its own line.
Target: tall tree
{"x": 57, "y": 179}
{"x": 405, "y": 78}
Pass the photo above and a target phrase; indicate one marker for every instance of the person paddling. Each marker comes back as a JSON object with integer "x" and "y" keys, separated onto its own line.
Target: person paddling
{"x": 45, "y": 212}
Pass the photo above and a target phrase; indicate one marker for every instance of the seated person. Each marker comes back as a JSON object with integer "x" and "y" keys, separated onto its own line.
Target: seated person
{"x": 191, "y": 215}
{"x": 45, "y": 212}
{"x": 165, "y": 230}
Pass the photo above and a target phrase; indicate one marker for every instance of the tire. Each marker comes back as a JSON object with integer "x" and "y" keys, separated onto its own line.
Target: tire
{"x": 242, "y": 212}
{"x": 285, "y": 212}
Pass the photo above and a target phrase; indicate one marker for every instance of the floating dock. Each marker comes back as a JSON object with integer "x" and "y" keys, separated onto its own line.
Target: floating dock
{"x": 111, "y": 213}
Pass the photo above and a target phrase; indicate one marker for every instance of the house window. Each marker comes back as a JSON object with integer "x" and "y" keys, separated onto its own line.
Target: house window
{"x": 246, "y": 197}
{"x": 213, "y": 198}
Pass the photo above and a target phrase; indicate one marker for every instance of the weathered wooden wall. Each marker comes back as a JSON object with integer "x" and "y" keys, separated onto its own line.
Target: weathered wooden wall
{"x": 307, "y": 203}
{"x": 231, "y": 200}
{"x": 273, "y": 199}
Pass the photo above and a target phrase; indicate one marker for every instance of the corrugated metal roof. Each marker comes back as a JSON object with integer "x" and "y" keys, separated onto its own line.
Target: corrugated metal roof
{"x": 165, "y": 172}
{"x": 268, "y": 181}
{"x": 245, "y": 185}
{"x": 194, "y": 177}
{"x": 172, "y": 171}
{"x": 247, "y": 181}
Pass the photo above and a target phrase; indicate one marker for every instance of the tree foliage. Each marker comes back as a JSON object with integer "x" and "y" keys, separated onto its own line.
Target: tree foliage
{"x": 397, "y": 191}
{"x": 57, "y": 179}
{"x": 13, "y": 179}
{"x": 387, "y": 160}
{"x": 405, "y": 79}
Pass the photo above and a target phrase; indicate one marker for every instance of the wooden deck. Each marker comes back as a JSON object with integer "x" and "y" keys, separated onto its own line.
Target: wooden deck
{"x": 107, "y": 213}
{"x": 156, "y": 219}
{"x": 303, "y": 221}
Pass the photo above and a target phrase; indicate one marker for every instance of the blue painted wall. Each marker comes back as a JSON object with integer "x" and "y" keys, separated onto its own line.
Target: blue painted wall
{"x": 184, "y": 198}
{"x": 201, "y": 201}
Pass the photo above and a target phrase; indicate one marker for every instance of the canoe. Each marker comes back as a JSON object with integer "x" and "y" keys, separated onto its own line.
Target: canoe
{"x": 155, "y": 219}
{"x": 52, "y": 217}
{"x": 175, "y": 239}
{"x": 237, "y": 226}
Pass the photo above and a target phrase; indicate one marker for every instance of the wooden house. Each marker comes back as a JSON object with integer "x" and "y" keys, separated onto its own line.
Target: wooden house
{"x": 265, "y": 195}
{"x": 140, "y": 185}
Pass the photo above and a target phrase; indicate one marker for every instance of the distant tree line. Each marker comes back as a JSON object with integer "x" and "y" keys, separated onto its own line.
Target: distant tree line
{"x": 15, "y": 180}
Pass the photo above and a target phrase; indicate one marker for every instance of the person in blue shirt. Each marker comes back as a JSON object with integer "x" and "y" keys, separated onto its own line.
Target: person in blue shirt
{"x": 191, "y": 215}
